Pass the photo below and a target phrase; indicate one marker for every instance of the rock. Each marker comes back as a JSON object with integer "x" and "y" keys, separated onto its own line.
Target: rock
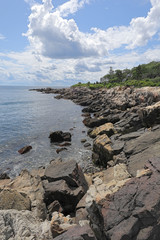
{"x": 12, "y": 199}
{"x": 68, "y": 171}
{"x": 107, "y": 129}
{"x": 31, "y": 185}
{"x": 77, "y": 233}
{"x": 131, "y": 212}
{"x": 60, "y": 150}
{"x": 102, "y": 147}
{"x": 25, "y": 149}
{"x": 18, "y": 225}
{"x": 150, "y": 115}
{"x": 64, "y": 144}
{"x": 60, "y": 191}
{"x": 60, "y": 136}
{"x": 4, "y": 176}
{"x": 87, "y": 144}
{"x": 83, "y": 140}
{"x": 60, "y": 224}
{"x": 55, "y": 207}
{"x": 141, "y": 149}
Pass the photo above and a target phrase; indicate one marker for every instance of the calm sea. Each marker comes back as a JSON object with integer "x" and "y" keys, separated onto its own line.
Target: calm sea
{"x": 27, "y": 118}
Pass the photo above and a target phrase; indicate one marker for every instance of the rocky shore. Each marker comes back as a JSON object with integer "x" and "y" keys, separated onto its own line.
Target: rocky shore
{"x": 120, "y": 201}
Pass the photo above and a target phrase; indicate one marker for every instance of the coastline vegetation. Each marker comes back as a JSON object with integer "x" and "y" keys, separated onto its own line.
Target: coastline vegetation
{"x": 141, "y": 76}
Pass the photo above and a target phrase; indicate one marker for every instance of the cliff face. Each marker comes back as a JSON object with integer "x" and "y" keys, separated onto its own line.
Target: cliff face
{"x": 120, "y": 201}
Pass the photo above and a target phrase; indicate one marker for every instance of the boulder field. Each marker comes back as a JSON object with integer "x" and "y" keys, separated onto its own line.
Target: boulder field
{"x": 121, "y": 201}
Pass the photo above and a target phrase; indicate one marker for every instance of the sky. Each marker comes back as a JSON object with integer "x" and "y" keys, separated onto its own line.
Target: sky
{"x": 57, "y": 42}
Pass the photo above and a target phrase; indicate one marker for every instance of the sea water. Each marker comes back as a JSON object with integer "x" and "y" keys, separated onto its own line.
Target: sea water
{"x": 27, "y": 118}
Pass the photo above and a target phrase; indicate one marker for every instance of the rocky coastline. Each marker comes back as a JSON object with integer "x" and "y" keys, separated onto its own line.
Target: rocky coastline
{"x": 120, "y": 201}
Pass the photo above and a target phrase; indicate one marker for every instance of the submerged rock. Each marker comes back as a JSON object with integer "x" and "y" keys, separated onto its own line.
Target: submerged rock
{"x": 25, "y": 149}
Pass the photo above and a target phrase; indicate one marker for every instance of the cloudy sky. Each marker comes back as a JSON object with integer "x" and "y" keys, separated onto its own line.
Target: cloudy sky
{"x": 57, "y": 42}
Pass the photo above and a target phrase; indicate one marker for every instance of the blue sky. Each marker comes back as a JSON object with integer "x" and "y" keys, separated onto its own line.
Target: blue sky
{"x": 57, "y": 42}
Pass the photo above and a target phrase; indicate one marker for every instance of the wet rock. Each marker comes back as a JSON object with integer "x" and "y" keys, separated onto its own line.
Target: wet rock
{"x": 60, "y": 136}
{"x": 83, "y": 140}
{"x": 4, "y": 175}
{"x": 25, "y": 149}
{"x": 64, "y": 144}
{"x": 12, "y": 199}
{"x": 87, "y": 144}
{"x": 60, "y": 150}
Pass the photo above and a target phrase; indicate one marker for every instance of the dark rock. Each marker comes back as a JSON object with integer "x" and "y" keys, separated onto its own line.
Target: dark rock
{"x": 60, "y": 136}
{"x": 87, "y": 144}
{"x": 25, "y": 149}
{"x": 54, "y": 207}
{"x": 83, "y": 140}
{"x": 4, "y": 176}
{"x": 66, "y": 196}
{"x": 64, "y": 144}
{"x": 60, "y": 150}
{"x": 68, "y": 171}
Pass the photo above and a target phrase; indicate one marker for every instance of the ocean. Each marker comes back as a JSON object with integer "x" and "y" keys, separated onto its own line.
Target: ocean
{"x": 27, "y": 118}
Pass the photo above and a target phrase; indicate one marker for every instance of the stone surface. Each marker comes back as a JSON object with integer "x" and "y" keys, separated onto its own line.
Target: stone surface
{"x": 78, "y": 233}
{"x": 131, "y": 212}
{"x": 68, "y": 171}
{"x": 60, "y": 191}
{"x": 60, "y": 136}
{"x": 107, "y": 129}
{"x": 25, "y": 149}
{"x": 31, "y": 185}
{"x": 102, "y": 147}
{"x": 12, "y": 199}
{"x": 22, "y": 225}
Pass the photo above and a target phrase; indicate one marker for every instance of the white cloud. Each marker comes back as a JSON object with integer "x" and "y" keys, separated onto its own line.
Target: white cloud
{"x": 54, "y": 36}
{"x": 2, "y": 37}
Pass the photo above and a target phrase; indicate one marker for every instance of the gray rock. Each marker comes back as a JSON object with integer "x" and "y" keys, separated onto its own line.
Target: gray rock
{"x": 22, "y": 225}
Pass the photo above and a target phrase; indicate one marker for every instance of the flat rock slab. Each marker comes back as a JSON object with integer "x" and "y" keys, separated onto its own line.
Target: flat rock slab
{"x": 68, "y": 171}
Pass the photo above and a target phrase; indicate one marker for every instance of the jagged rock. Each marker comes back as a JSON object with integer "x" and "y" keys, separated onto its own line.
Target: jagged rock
{"x": 25, "y": 149}
{"x": 68, "y": 171}
{"x": 60, "y": 224}
{"x": 150, "y": 115}
{"x": 12, "y": 199}
{"x": 60, "y": 136}
{"x": 18, "y": 225}
{"x": 60, "y": 191}
{"x": 131, "y": 212}
{"x": 107, "y": 129}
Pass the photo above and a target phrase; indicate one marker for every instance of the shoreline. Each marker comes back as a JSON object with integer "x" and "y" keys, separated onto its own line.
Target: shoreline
{"x": 114, "y": 203}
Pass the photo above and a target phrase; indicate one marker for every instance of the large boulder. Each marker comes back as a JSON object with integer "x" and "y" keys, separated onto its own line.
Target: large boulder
{"x": 132, "y": 212}
{"x": 60, "y": 136}
{"x": 68, "y": 171}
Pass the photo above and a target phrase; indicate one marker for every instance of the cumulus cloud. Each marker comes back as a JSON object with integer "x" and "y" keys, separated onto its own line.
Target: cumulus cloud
{"x": 53, "y": 35}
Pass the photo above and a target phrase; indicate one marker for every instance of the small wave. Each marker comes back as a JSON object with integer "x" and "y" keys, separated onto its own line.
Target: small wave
{"x": 15, "y": 103}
